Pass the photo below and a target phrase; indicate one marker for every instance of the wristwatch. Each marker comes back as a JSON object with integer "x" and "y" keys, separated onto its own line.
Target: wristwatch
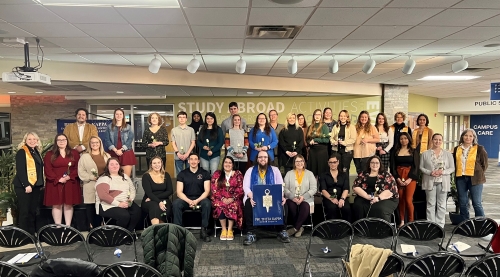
{"x": 342, "y": 198}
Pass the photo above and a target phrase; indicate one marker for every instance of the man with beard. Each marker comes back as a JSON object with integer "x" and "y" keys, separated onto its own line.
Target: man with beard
{"x": 79, "y": 133}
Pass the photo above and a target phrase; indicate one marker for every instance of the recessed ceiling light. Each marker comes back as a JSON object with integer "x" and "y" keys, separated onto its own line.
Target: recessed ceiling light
{"x": 448, "y": 78}
{"x": 249, "y": 92}
{"x": 11, "y": 92}
{"x": 492, "y": 45}
{"x": 38, "y": 92}
{"x": 119, "y": 92}
{"x": 135, "y": 107}
{"x": 485, "y": 90}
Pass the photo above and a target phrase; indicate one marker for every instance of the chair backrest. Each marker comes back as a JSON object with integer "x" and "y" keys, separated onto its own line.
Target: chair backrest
{"x": 375, "y": 228}
{"x": 110, "y": 236}
{"x": 476, "y": 227}
{"x": 421, "y": 230}
{"x": 333, "y": 229}
{"x": 393, "y": 265}
{"x": 60, "y": 235}
{"x": 439, "y": 264}
{"x": 486, "y": 267}
{"x": 12, "y": 237}
{"x": 8, "y": 270}
{"x": 126, "y": 269}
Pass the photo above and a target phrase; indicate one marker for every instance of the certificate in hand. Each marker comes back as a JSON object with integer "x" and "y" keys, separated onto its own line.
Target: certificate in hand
{"x": 268, "y": 209}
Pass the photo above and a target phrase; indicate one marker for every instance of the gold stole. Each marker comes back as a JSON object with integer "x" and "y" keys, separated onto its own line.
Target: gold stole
{"x": 470, "y": 162}
{"x": 30, "y": 166}
{"x": 404, "y": 130}
{"x": 424, "y": 142}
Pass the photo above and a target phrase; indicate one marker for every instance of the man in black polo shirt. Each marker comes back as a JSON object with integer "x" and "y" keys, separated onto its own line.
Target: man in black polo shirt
{"x": 193, "y": 188}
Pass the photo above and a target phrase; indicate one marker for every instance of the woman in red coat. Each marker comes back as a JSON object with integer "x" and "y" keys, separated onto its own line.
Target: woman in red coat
{"x": 62, "y": 187}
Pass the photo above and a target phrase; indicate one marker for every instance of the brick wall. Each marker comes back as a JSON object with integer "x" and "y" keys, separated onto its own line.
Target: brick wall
{"x": 39, "y": 114}
{"x": 395, "y": 99}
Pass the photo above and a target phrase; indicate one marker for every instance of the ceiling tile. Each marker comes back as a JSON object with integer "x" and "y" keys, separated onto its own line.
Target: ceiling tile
{"x": 377, "y": 32}
{"x": 355, "y": 46}
{"x": 401, "y": 16}
{"x": 266, "y": 44}
{"x": 354, "y": 3}
{"x": 164, "y": 31}
{"x": 217, "y": 61}
{"x": 109, "y": 30}
{"x": 82, "y": 14}
{"x": 132, "y": 51}
{"x": 48, "y": 50}
{"x": 153, "y": 15}
{"x": 325, "y": 32}
{"x": 78, "y": 50}
{"x": 52, "y": 30}
{"x": 494, "y": 21}
{"x": 444, "y": 46}
{"x": 68, "y": 58}
{"x": 124, "y": 42}
{"x": 216, "y": 16}
{"x": 140, "y": 60}
{"x": 28, "y": 13}
{"x": 460, "y": 17}
{"x": 9, "y": 30}
{"x": 260, "y": 61}
{"x": 107, "y": 59}
{"x": 76, "y": 42}
{"x": 218, "y": 31}
{"x": 341, "y": 16}
{"x": 197, "y": 91}
{"x": 483, "y": 4}
{"x": 323, "y": 61}
{"x": 428, "y": 32}
{"x": 400, "y": 46}
{"x": 302, "y": 61}
{"x": 224, "y": 91}
{"x": 267, "y": 3}
{"x": 476, "y": 33}
{"x": 220, "y": 43}
{"x": 311, "y": 46}
{"x": 187, "y": 44}
{"x": 181, "y": 61}
{"x": 279, "y": 16}
{"x": 214, "y": 3}
{"x": 422, "y": 3}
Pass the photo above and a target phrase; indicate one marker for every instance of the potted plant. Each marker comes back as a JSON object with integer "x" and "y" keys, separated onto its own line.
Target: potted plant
{"x": 455, "y": 217}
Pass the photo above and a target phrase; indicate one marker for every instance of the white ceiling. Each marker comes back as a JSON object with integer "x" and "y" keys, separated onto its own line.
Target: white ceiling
{"x": 390, "y": 30}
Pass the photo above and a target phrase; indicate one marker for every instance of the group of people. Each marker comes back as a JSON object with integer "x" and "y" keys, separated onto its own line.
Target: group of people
{"x": 389, "y": 160}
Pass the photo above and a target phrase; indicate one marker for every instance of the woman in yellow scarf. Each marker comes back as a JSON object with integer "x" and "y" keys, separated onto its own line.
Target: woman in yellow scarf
{"x": 471, "y": 161}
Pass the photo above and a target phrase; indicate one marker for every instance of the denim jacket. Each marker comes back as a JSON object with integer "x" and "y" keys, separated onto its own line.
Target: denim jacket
{"x": 111, "y": 137}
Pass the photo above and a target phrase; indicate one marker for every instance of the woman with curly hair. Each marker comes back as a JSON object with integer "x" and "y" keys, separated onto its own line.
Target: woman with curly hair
{"x": 365, "y": 145}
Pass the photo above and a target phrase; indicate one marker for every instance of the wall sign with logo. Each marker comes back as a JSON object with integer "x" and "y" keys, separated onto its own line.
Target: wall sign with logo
{"x": 488, "y": 135}
{"x": 495, "y": 91}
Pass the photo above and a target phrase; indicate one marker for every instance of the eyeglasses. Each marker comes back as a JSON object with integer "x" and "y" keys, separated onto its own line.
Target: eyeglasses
{"x": 262, "y": 157}
{"x": 61, "y": 140}
{"x": 335, "y": 162}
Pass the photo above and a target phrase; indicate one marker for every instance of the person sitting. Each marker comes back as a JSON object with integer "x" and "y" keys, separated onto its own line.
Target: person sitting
{"x": 227, "y": 197}
{"x": 157, "y": 185}
{"x": 300, "y": 187}
{"x": 262, "y": 173}
{"x": 376, "y": 192}
{"x": 115, "y": 196}
{"x": 193, "y": 189}
{"x": 334, "y": 186}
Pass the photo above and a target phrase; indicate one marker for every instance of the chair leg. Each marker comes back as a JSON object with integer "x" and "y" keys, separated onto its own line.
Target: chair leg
{"x": 306, "y": 266}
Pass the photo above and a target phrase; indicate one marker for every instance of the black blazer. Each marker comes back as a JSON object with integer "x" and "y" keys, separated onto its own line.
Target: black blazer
{"x": 21, "y": 178}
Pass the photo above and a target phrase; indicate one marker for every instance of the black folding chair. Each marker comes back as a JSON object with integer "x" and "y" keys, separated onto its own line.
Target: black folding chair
{"x": 418, "y": 232}
{"x": 393, "y": 265}
{"x": 13, "y": 237}
{"x": 8, "y": 270}
{"x": 477, "y": 227}
{"x": 486, "y": 267}
{"x": 331, "y": 232}
{"x": 130, "y": 269}
{"x": 439, "y": 264}
{"x": 375, "y": 228}
{"x": 62, "y": 235}
{"x": 108, "y": 238}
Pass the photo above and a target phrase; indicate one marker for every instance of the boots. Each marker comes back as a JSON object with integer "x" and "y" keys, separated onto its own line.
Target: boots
{"x": 204, "y": 235}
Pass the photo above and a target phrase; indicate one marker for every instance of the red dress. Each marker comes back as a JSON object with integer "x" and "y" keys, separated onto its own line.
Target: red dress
{"x": 234, "y": 210}
{"x": 58, "y": 193}
{"x": 128, "y": 157}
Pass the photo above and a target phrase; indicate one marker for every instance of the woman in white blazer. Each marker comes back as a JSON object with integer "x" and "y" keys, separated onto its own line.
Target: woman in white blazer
{"x": 300, "y": 187}
{"x": 436, "y": 166}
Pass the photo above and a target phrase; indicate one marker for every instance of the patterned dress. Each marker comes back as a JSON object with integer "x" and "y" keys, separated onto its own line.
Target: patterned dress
{"x": 234, "y": 210}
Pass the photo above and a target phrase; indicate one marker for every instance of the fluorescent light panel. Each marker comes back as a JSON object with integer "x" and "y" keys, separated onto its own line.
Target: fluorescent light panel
{"x": 114, "y": 97}
{"x": 448, "y": 78}
{"x": 114, "y": 3}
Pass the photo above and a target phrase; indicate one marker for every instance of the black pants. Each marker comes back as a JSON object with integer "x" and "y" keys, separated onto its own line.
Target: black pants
{"x": 92, "y": 217}
{"x": 126, "y": 218}
{"x": 28, "y": 204}
{"x": 248, "y": 215}
{"x": 153, "y": 209}
{"x": 360, "y": 164}
{"x": 382, "y": 209}
{"x": 180, "y": 206}
{"x": 333, "y": 211}
{"x": 345, "y": 160}
{"x": 163, "y": 159}
{"x": 241, "y": 166}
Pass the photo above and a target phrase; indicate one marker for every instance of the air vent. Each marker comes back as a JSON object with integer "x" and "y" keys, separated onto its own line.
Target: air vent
{"x": 272, "y": 32}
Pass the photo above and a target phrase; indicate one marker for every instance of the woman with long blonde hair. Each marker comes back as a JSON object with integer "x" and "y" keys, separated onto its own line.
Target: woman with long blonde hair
{"x": 342, "y": 138}
{"x": 365, "y": 145}
{"x": 318, "y": 138}
{"x": 157, "y": 185}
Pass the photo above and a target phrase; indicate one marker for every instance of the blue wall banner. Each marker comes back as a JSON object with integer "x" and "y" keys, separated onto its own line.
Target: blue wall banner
{"x": 101, "y": 125}
{"x": 495, "y": 91}
{"x": 268, "y": 209}
{"x": 488, "y": 135}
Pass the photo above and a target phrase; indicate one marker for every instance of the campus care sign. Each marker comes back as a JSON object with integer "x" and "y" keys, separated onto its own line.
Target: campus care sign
{"x": 488, "y": 135}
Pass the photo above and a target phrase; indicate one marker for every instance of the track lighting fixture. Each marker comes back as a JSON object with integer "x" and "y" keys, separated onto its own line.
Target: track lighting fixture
{"x": 154, "y": 65}
{"x": 333, "y": 65}
{"x": 460, "y": 65}
{"x": 241, "y": 65}
{"x": 369, "y": 65}
{"x": 193, "y": 65}
{"x": 292, "y": 66}
{"x": 409, "y": 66}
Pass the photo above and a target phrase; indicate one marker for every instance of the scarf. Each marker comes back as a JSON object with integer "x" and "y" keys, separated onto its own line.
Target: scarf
{"x": 470, "y": 161}
{"x": 424, "y": 142}
{"x": 402, "y": 128}
{"x": 196, "y": 125}
{"x": 30, "y": 166}
{"x": 254, "y": 179}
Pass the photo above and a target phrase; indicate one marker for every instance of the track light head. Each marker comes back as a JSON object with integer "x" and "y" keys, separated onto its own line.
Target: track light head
{"x": 369, "y": 66}
{"x": 333, "y": 66}
{"x": 292, "y": 66}
{"x": 459, "y": 66}
{"x": 154, "y": 65}
{"x": 409, "y": 66}
{"x": 193, "y": 65}
{"x": 241, "y": 65}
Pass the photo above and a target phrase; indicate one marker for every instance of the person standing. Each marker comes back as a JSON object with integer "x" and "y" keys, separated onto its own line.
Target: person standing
{"x": 196, "y": 124}
{"x": 210, "y": 140}
{"x": 118, "y": 140}
{"x": 386, "y": 140}
{"x": 228, "y": 122}
{"x": 330, "y": 123}
{"x": 342, "y": 138}
{"x": 236, "y": 142}
{"x": 28, "y": 181}
{"x": 318, "y": 139}
{"x": 79, "y": 133}
{"x": 422, "y": 136}
{"x": 291, "y": 142}
{"x": 278, "y": 127}
{"x": 399, "y": 127}
{"x": 366, "y": 139}
{"x": 262, "y": 138}
{"x": 155, "y": 138}
{"x": 183, "y": 142}
{"x": 301, "y": 119}
{"x": 193, "y": 190}
{"x": 471, "y": 161}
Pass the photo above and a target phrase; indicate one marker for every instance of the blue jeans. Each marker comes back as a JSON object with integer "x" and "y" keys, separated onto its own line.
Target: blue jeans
{"x": 180, "y": 165}
{"x": 464, "y": 185}
{"x": 210, "y": 165}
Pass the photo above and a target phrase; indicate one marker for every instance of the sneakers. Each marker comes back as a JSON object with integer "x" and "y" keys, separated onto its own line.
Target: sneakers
{"x": 223, "y": 236}
{"x": 230, "y": 235}
{"x": 299, "y": 232}
{"x": 283, "y": 236}
{"x": 291, "y": 231}
{"x": 251, "y": 238}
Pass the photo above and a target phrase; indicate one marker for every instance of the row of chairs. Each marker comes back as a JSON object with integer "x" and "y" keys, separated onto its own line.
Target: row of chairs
{"x": 335, "y": 231}
{"x": 99, "y": 244}
{"x": 120, "y": 269}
